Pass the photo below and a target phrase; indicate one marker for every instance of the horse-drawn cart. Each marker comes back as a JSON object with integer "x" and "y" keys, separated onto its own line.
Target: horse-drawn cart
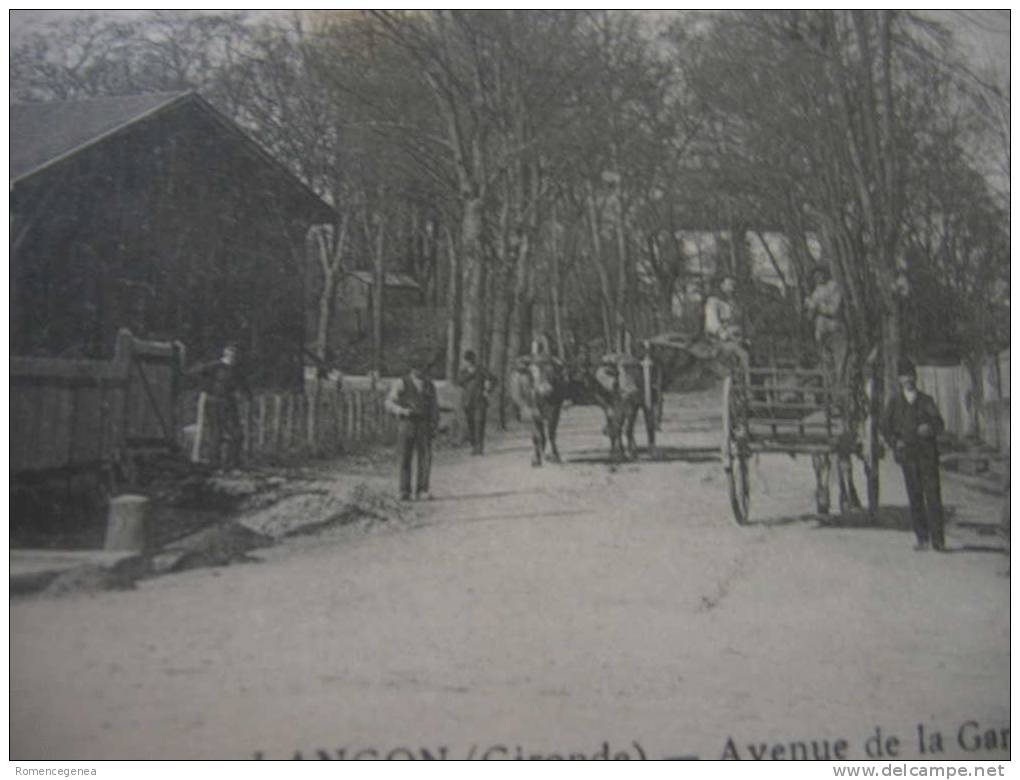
{"x": 797, "y": 411}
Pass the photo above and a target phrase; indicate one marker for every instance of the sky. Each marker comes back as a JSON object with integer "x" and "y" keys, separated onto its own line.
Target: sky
{"x": 984, "y": 35}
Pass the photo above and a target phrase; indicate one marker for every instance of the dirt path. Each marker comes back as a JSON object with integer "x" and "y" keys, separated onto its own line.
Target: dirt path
{"x": 563, "y": 610}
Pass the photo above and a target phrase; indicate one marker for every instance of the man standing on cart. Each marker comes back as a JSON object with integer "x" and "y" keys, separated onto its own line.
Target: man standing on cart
{"x": 825, "y": 306}
{"x": 722, "y": 324}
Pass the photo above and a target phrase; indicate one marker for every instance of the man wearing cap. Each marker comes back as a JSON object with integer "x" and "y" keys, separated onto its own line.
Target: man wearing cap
{"x": 476, "y": 383}
{"x": 910, "y": 426}
{"x": 221, "y": 419}
{"x": 412, "y": 399}
{"x": 825, "y": 305}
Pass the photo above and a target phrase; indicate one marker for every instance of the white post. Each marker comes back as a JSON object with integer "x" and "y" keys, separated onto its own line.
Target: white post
{"x": 127, "y": 523}
{"x": 196, "y": 445}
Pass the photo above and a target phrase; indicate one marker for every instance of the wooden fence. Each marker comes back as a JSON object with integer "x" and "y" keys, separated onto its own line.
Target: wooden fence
{"x": 80, "y": 414}
{"x": 281, "y": 426}
{"x": 953, "y": 391}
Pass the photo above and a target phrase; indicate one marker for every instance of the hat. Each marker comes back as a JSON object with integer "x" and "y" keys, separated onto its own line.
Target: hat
{"x": 905, "y": 367}
{"x": 470, "y": 356}
{"x": 424, "y": 359}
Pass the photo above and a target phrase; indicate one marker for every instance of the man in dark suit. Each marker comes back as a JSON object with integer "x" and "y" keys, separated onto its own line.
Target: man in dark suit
{"x": 412, "y": 399}
{"x": 476, "y": 383}
{"x": 910, "y": 426}
{"x": 222, "y": 383}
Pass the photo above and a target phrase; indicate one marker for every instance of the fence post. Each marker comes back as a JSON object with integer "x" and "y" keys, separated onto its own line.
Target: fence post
{"x": 313, "y": 403}
{"x": 277, "y": 414}
{"x": 262, "y": 424}
{"x": 196, "y": 445}
{"x": 358, "y": 404}
{"x": 341, "y": 419}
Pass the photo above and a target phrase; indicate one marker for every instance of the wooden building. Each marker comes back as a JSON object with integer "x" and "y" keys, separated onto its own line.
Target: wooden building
{"x": 158, "y": 214}
{"x": 357, "y": 299}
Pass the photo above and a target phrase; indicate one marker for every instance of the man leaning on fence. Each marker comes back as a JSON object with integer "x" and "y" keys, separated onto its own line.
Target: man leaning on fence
{"x": 219, "y": 417}
{"x": 911, "y": 425}
{"x": 412, "y": 399}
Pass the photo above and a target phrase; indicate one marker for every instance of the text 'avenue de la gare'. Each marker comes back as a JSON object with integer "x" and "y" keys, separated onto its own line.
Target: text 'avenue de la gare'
{"x": 971, "y": 737}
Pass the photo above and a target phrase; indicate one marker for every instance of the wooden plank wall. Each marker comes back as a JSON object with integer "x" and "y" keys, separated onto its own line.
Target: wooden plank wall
{"x": 952, "y": 389}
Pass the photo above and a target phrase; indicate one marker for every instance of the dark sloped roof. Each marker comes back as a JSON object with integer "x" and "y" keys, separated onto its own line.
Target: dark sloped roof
{"x": 42, "y": 133}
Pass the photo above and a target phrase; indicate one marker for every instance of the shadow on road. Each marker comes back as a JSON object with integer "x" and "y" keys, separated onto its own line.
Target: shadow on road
{"x": 887, "y": 518}
{"x": 976, "y": 548}
{"x": 524, "y": 516}
{"x": 662, "y": 455}
{"x": 483, "y": 496}
{"x": 894, "y": 518}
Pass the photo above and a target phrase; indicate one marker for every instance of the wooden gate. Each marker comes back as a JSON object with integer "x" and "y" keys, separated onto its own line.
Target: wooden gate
{"x": 83, "y": 414}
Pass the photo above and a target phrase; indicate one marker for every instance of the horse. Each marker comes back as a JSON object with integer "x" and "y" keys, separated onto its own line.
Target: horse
{"x": 539, "y": 388}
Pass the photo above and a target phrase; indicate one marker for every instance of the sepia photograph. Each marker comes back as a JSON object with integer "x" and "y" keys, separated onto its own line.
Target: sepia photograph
{"x": 509, "y": 385}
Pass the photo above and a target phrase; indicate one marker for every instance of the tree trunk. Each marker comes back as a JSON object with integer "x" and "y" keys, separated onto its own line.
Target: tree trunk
{"x": 474, "y": 270}
{"x": 554, "y": 289}
{"x": 379, "y": 297}
{"x": 327, "y": 300}
{"x": 501, "y": 316}
{"x": 609, "y": 332}
{"x": 454, "y": 308}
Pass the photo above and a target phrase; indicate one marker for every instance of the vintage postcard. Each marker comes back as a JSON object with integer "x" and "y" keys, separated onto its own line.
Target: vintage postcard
{"x": 510, "y": 385}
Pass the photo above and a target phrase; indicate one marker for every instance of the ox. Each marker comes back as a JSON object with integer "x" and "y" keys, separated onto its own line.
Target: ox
{"x": 539, "y": 388}
{"x": 624, "y": 386}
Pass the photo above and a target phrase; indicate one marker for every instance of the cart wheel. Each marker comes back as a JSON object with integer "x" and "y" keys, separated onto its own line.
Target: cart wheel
{"x": 735, "y": 460}
{"x": 740, "y": 491}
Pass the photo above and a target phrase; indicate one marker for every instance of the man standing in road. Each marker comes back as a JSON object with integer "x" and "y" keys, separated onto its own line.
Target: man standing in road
{"x": 476, "y": 383}
{"x": 412, "y": 399}
{"x": 910, "y": 426}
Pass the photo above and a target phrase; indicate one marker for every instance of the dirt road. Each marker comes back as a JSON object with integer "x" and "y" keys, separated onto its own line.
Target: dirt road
{"x": 562, "y": 611}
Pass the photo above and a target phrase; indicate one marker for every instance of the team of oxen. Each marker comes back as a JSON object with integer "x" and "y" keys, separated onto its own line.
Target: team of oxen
{"x": 623, "y": 385}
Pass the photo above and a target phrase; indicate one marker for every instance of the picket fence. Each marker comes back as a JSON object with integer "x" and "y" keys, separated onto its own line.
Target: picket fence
{"x": 322, "y": 422}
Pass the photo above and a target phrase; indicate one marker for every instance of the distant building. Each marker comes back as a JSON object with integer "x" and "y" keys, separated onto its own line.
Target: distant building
{"x": 156, "y": 213}
{"x": 357, "y": 298}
